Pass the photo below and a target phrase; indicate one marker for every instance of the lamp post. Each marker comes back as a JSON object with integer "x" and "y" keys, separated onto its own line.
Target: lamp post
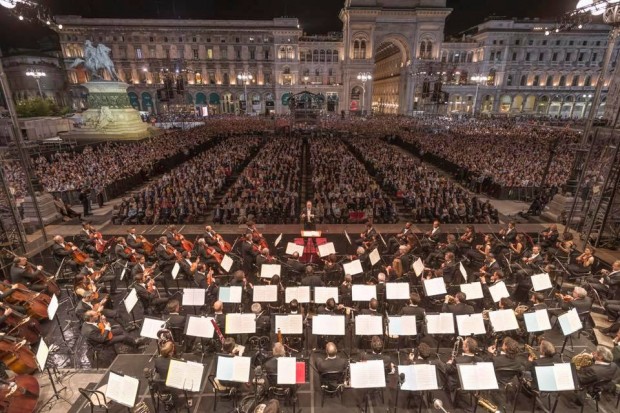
{"x": 478, "y": 79}
{"x": 37, "y": 74}
{"x": 245, "y": 77}
{"x": 610, "y": 9}
{"x": 364, "y": 77}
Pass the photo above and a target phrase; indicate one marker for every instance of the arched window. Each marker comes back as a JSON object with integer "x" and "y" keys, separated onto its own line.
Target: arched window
{"x": 523, "y": 80}
{"x": 335, "y": 56}
{"x": 286, "y": 70}
{"x": 588, "y": 81}
{"x": 426, "y": 49}
{"x": 509, "y": 80}
{"x": 575, "y": 80}
{"x": 328, "y": 57}
{"x": 363, "y": 49}
{"x": 536, "y": 81}
{"x": 315, "y": 55}
{"x": 302, "y": 55}
{"x": 226, "y": 79}
{"x": 322, "y": 56}
{"x": 549, "y": 81}
{"x": 562, "y": 81}
{"x": 356, "y": 49}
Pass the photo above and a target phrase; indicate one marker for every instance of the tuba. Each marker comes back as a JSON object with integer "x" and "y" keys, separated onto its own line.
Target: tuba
{"x": 582, "y": 360}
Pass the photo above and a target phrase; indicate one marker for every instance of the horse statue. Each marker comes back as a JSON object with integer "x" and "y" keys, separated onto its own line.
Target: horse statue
{"x": 96, "y": 59}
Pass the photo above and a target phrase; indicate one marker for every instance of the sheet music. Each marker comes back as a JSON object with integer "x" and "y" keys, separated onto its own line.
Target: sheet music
{"x": 361, "y": 292}
{"x": 442, "y": 323}
{"x": 322, "y": 294}
{"x": 570, "y": 322}
{"x": 374, "y": 257}
{"x": 289, "y": 324}
{"x": 230, "y": 294}
{"x": 419, "y": 377}
{"x": 469, "y": 324}
{"x": 175, "y": 270}
{"x": 418, "y": 267}
{"x": 194, "y": 296}
{"x": 503, "y": 320}
{"x": 473, "y": 291}
{"x": 200, "y": 326}
{"x": 537, "y": 321}
{"x": 326, "y": 249}
{"x": 244, "y": 323}
{"x": 346, "y": 234}
{"x": 265, "y": 293}
{"x": 131, "y": 300}
{"x": 310, "y": 234}
{"x": 277, "y": 241}
{"x": 122, "y": 389}
{"x": 397, "y": 291}
{"x": 435, "y": 286}
{"x": 185, "y": 375}
{"x": 498, "y": 291}
{"x": 52, "y": 308}
{"x": 328, "y": 325}
{"x": 235, "y": 369}
{"x": 123, "y": 273}
{"x": 42, "y": 352}
{"x": 368, "y": 325}
{"x": 269, "y": 270}
{"x": 368, "y": 374}
{"x": 353, "y": 267}
{"x": 463, "y": 271}
{"x": 292, "y": 248}
{"x": 287, "y": 370}
{"x": 404, "y": 325}
{"x": 558, "y": 377}
{"x": 541, "y": 282}
{"x": 150, "y": 327}
{"x": 301, "y": 294}
{"x": 226, "y": 263}
{"x": 479, "y": 376}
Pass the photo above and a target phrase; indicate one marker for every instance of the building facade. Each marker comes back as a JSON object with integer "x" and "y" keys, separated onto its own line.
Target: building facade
{"x": 500, "y": 66}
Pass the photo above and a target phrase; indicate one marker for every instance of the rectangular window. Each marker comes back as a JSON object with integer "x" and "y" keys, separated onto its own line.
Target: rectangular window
{"x": 568, "y": 57}
{"x": 594, "y": 57}
{"x": 151, "y": 39}
{"x": 541, "y": 57}
{"x": 585, "y": 43}
{"x": 527, "y": 56}
{"x": 555, "y": 57}
{"x": 209, "y": 53}
{"x": 138, "y": 53}
{"x": 237, "y": 40}
{"x": 195, "y": 51}
{"x": 152, "y": 52}
{"x": 208, "y": 40}
{"x": 252, "y": 54}
{"x": 544, "y": 42}
{"x": 598, "y": 42}
{"x": 530, "y": 42}
{"x": 224, "y": 53}
{"x": 571, "y": 43}
{"x": 194, "y": 39}
{"x": 266, "y": 54}
{"x": 517, "y": 42}
{"x": 238, "y": 54}
{"x": 557, "y": 42}
{"x": 514, "y": 56}
{"x": 581, "y": 56}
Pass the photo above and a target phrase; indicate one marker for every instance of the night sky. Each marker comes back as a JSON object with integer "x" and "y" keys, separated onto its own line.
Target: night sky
{"x": 316, "y": 16}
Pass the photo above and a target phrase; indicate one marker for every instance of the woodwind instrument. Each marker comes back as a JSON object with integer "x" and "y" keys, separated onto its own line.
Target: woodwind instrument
{"x": 279, "y": 336}
{"x": 218, "y": 331}
{"x": 455, "y": 349}
{"x": 487, "y": 405}
{"x": 531, "y": 352}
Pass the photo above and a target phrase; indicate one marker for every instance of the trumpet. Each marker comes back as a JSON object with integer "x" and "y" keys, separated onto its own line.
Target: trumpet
{"x": 520, "y": 310}
{"x": 450, "y": 299}
{"x": 531, "y": 352}
{"x": 487, "y": 405}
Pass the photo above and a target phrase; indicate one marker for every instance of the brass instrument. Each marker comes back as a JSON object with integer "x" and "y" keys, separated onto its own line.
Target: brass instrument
{"x": 485, "y": 315}
{"x": 520, "y": 310}
{"x": 451, "y": 299}
{"x": 582, "y": 359}
{"x": 141, "y": 407}
{"x": 531, "y": 352}
{"x": 487, "y": 405}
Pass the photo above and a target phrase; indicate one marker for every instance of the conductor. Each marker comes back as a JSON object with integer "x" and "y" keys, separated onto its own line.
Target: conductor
{"x": 308, "y": 217}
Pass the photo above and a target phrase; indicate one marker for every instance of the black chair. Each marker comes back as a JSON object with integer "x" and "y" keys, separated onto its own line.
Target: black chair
{"x": 283, "y": 393}
{"x": 222, "y": 391}
{"x": 595, "y": 390}
{"x": 332, "y": 384}
{"x": 94, "y": 399}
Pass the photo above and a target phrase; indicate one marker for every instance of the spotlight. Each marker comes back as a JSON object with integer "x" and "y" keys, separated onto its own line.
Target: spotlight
{"x": 546, "y": 32}
{"x": 557, "y": 30}
{"x": 48, "y": 22}
{"x": 580, "y": 26}
{"x": 60, "y": 26}
{"x": 21, "y": 17}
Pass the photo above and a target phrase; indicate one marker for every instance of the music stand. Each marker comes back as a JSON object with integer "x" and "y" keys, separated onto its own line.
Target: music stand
{"x": 52, "y": 312}
{"x": 185, "y": 376}
{"x": 130, "y": 301}
{"x": 554, "y": 379}
{"x": 194, "y": 297}
{"x": 368, "y": 375}
{"x": 475, "y": 378}
{"x": 122, "y": 389}
{"x": 569, "y": 323}
{"x": 326, "y": 325}
{"x": 440, "y": 324}
{"x": 419, "y": 379}
{"x": 202, "y": 328}
{"x": 42, "y": 359}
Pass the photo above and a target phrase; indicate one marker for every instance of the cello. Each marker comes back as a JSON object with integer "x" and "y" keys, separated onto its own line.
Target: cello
{"x": 19, "y": 394}
{"x": 185, "y": 244}
{"x": 16, "y": 355}
{"x": 224, "y": 246}
{"x": 35, "y": 303}
{"x": 21, "y": 325}
{"x": 43, "y": 277}
{"x": 78, "y": 255}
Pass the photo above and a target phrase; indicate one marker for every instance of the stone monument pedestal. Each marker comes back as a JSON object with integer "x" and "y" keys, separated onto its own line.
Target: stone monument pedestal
{"x": 558, "y": 209}
{"x": 46, "y": 208}
{"x": 110, "y": 115}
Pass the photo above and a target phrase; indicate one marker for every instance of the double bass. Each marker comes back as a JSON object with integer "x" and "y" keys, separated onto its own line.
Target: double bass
{"x": 35, "y": 303}
{"x": 224, "y": 245}
{"x": 17, "y": 355}
{"x": 21, "y": 325}
{"x": 19, "y": 394}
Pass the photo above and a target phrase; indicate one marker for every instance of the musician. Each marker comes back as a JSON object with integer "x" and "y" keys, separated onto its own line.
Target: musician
{"x": 490, "y": 266}
{"x": 467, "y": 239}
{"x": 602, "y": 369}
{"x": 582, "y": 264}
{"x": 88, "y": 303}
{"x": 239, "y": 280}
{"x": 578, "y": 299}
{"x": 166, "y": 260}
{"x": 413, "y": 307}
{"x": 98, "y": 276}
{"x": 22, "y": 274}
{"x": 402, "y": 261}
{"x": 373, "y": 306}
{"x": 517, "y": 246}
{"x": 248, "y": 253}
{"x": 296, "y": 268}
{"x": 548, "y": 357}
{"x": 263, "y": 320}
{"x": 264, "y": 258}
{"x": 608, "y": 284}
{"x": 220, "y": 317}
{"x": 538, "y": 301}
{"x": 173, "y": 237}
{"x": 206, "y": 253}
{"x": 482, "y": 251}
{"x": 308, "y": 217}
{"x": 507, "y": 362}
{"x": 376, "y": 347}
{"x": 210, "y": 238}
{"x": 458, "y": 306}
{"x": 566, "y": 246}
{"x": 176, "y": 321}
{"x": 119, "y": 251}
{"x": 271, "y": 368}
{"x": 96, "y": 331}
{"x": 431, "y": 238}
{"x": 61, "y": 253}
{"x": 549, "y": 236}
{"x": 449, "y": 269}
{"x": 434, "y": 257}
{"x": 162, "y": 362}
{"x": 332, "y": 362}
{"x": 367, "y": 237}
{"x": 311, "y": 279}
{"x": 470, "y": 348}
{"x": 86, "y": 240}
{"x": 139, "y": 267}
{"x": 132, "y": 241}
{"x": 345, "y": 290}
{"x": 148, "y": 294}
{"x": 509, "y": 235}
{"x": 399, "y": 239}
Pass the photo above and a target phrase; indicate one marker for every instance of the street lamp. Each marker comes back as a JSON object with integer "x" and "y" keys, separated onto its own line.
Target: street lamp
{"x": 245, "y": 77}
{"x": 478, "y": 79}
{"x": 37, "y": 74}
{"x": 364, "y": 77}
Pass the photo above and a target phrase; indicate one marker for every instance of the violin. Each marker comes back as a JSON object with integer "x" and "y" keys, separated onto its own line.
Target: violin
{"x": 258, "y": 238}
{"x": 35, "y": 303}
{"x": 78, "y": 256}
{"x": 102, "y": 324}
{"x": 21, "y": 325}
{"x": 17, "y": 355}
{"x": 565, "y": 298}
{"x": 210, "y": 277}
{"x": 19, "y": 394}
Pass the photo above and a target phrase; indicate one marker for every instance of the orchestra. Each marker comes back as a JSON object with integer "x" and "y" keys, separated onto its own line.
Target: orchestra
{"x": 176, "y": 264}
